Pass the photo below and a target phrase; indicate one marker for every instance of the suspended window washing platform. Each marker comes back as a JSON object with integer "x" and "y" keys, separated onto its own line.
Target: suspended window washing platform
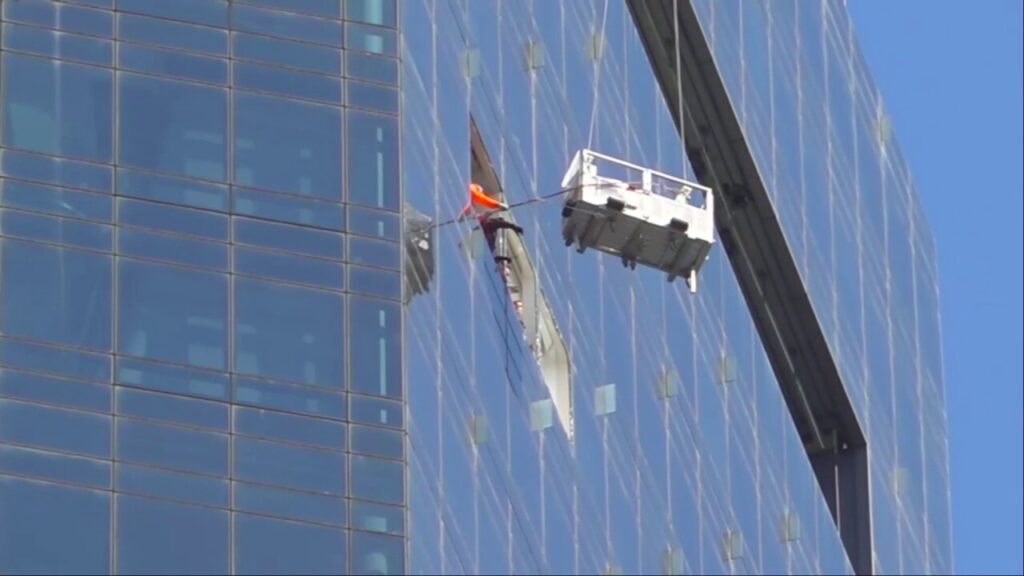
{"x": 658, "y": 221}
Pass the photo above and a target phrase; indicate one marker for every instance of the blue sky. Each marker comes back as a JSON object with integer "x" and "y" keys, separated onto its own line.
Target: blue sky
{"x": 950, "y": 74}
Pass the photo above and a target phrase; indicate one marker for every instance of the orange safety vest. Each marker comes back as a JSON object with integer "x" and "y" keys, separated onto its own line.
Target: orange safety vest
{"x": 481, "y": 203}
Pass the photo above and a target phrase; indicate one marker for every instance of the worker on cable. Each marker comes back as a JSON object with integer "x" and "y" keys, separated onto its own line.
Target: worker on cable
{"x": 486, "y": 208}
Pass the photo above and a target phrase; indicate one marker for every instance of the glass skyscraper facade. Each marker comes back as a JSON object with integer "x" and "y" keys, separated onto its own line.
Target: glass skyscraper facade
{"x": 242, "y": 332}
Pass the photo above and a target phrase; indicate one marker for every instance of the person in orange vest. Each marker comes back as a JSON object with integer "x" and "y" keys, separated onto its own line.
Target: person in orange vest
{"x": 481, "y": 203}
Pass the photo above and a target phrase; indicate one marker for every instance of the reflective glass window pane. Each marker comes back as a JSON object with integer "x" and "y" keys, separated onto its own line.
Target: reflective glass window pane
{"x": 176, "y": 249}
{"x": 172, "y": 63}
{"x": 289, "y": 238}
{"x": 172, "y": 447}
{"x": 377, "y": 441}
{"x": 375, "y": 347}
{"x": 373, "y": 173}
{"x": 372, "y": 68}
{"x": 290, "y": 466}
{"x": 287, "y": 53}
{"x": 173, "y": 409}
{"x": 376, "y": 479}
{"x": 172, "y": 190}
{"x": 328, "y": 8}
{"x": 289, "y": 427}
{"x": 379, "y": 12}
{"x": 58, "y": 44}
{"x": 376, "y": 411}
{"x": 289, "y": 209}
{"x": 74, "y": 524}
{"x": 56, "y": 201}
{"x": 289, "y": 504}
{"x": 208, "y": 12}
{"x": 172, "y": 219}
{"x": 375, "y": 282}
{"x": 54, "y": 466}
{"x": 372, "y": 97}
{"x": 53, "y": 360}
{"x": 146, "y": 527}
{"x": 60, "y": 16}
{"x": 57, "y": 107}
{"x": 373, "y": 252}
{"x": 289, "y": 332}
{"x": 159, "y": 483}
{"x": 70, "y": 393}
{"x": 57, "y": 230}
{"x": 288, "y": 82}
{"x": 56, "y": 428}
{"x": 56, "y": 171}
{"x": 374, "y": 223}
{"x": 288, "y": 146}
{"x": 172, "y": 34}
{"x": 269, "y": 546}
{"x": 173, "y": 314}
{"x": 55, "y": 294}
{"x": 378, "y": 517}
{"x": 377, "y": 554}
{"x": 302, "y": 399}
{"x": 172, "y": 126}
{"x": 294, "y": 26}
{"x": 289, "y": 268}
{"x": 174, "y": 379}
{"x": 96, "y": 3}
{"x": 371, "y": 39}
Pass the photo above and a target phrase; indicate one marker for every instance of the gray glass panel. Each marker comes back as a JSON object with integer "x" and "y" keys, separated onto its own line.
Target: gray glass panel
{"x": 290, "y": 466}
{"x": 288, "y": 82}
{"x": 53, "y": 466}
{"x": 173, "y": 314}
{"x": 374, "y": 223}
{"x": 57, "y": 107}
{"x": 56, "y": 171}
{"x": 371, "y": 39}
{"x": 147, "y": 481}
{"x": 58, "y": 45}
{"x": 328, "y": 8}
{"x": 172, "y": 126}
{"x": 290, "y": 238}
{"x": 57, "y": 230}
{"x": 173, "y": 409}
{"x": 373, "y": 173}
{"x": 57, "y": 201}
{"x": 287, "y": 146}
{"x": 60, "y": 16}
{"x": 289, "y": 427}
{"x": 376, "y": 411}
{"x": 208, "y": 12}
{"x": 289, "y": 209}
{"x": 372, "y": 68}
{"x": 289, "y": 268}
{"x": 172, "y": 447}
{"x": 289, "y": 504}
{"x": 177, "y": 249}
{"x": 73, "y": 522}
{"x": 172, "y": 219}
{"x": 173, "y": 190}
{"x": 377, "y": 554}
{"x": 378, "y": 517}
{"x": 289, "y": 332}
{"x": 373, "y": 252}
{"x": 36, "y": 387}
{"x": 377, "y": 441}
{"x": 376, "y": 479}
{"x": 56, "y": 428}
{"x": 375, "y": 282}
{"x": 269, "y": 546}
{"x": 372, "y": 97}
{"x": 286, "y": 25}
{"x": 172, "y": 63}
{"x": 287, "y": 53}
{"x": 97, "y": 3}
{"x": 379, "y": 12}
{"x": 172, "y": 34}
{"x": 55, "y": 294}
{"x": 61, "y": 361}
{"x": 375, "y": 351}
{"x": 291, "y": 398}
{"x": 175, "y": 379}
{"x": 146, "y": 527}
